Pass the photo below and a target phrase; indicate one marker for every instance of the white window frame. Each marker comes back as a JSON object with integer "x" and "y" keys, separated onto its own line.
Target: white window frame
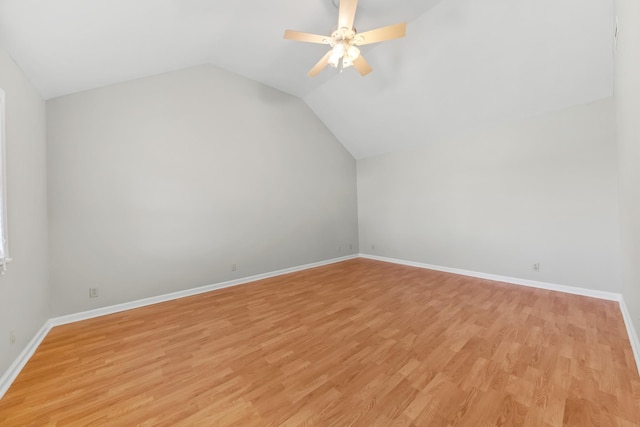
{"x": 4, "y": 241}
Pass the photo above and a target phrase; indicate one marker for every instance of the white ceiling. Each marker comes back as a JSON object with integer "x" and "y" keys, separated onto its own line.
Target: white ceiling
{"x": 464, "y": 64}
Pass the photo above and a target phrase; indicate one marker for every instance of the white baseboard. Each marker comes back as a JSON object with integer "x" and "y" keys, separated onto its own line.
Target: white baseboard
{"x": 103, "y": 311}
{"x": 12, "y": 373}
{"x": 611, "y": 296}
{"x": 631, "y": 331}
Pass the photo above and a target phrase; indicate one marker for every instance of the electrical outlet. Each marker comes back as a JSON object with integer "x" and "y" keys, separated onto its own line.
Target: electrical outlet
{"x": 233, "y": 267}
{"x": 12, "y": 337}
{"x": 536, "y": 267}
{"x": 93, "y": 292}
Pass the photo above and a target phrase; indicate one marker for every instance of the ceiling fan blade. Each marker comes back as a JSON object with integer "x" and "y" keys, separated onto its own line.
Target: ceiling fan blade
{"x": 320, "y": 65}
{"x": 306, "y": 37}
{"x": 347, "y": 13}
{"x": 362, "y": 66}
{"x": 381, "y": 34}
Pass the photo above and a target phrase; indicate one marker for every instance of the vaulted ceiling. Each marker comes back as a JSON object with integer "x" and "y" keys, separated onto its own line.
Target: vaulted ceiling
{"x": 465, "y": 64}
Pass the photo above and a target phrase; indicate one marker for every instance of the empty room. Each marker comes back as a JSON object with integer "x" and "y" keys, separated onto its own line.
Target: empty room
{"x": 320, "y": 213}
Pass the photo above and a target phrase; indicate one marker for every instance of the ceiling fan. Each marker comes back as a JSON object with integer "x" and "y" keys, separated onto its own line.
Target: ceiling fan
{"x": 345, "y": 39}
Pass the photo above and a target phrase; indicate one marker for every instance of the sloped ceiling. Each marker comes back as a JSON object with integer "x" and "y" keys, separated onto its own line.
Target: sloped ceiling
{"x": 464, "y": 63}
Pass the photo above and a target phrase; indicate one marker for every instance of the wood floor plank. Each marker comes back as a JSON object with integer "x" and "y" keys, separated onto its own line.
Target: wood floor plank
{"x": 357, "y": 343}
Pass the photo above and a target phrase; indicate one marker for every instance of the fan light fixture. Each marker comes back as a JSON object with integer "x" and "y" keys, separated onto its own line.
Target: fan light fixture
{"x": 343, "y": 41}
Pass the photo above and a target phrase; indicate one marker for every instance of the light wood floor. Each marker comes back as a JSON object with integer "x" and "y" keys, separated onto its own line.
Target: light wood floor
{"x": 360, "y": 343}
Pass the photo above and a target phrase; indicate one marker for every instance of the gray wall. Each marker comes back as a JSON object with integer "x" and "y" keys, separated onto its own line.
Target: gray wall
{"x": 24, "y": 291}
{"x": 541, "y": 190}
{"x": 161, "y": 184}
{"x": 628, "y": 106}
